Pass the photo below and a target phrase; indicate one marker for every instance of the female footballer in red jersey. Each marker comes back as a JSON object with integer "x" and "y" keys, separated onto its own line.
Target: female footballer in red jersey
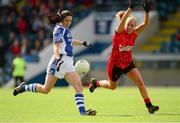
{"x": 120, "y": 60}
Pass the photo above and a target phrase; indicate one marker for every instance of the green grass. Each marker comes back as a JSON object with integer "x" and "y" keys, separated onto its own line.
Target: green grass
{"x": 121, "y": 105}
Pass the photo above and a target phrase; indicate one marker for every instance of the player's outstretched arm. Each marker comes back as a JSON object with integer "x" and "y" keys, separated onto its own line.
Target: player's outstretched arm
{"x": 84, "y": 43}
{"x": 143, "y": 25}
{"x": 122, "y": 21}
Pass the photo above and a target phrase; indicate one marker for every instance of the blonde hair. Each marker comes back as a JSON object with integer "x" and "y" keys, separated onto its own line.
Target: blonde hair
{"x": 120, "y": 14}
{"x": 131, "y": 17}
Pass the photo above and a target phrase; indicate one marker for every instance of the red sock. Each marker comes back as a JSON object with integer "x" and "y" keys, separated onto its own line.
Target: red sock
{"x": 147, "y": 100}
{"x": 97, "y": 84}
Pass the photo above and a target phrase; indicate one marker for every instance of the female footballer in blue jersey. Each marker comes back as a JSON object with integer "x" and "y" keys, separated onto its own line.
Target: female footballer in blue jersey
{"x": 61, "y": 63}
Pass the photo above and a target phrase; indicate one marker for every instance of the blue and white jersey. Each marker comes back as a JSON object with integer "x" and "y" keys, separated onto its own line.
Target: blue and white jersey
{"x": 63, "y": 36}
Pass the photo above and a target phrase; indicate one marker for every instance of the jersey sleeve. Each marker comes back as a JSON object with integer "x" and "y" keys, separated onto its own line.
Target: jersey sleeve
{"x": 58, "y": 35}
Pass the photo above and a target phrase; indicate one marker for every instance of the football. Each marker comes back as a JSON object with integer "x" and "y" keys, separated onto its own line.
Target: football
{"x": 82, "y": 67}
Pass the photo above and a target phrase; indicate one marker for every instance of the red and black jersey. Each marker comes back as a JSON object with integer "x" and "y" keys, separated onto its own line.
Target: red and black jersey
{"x": 122, "y": 45}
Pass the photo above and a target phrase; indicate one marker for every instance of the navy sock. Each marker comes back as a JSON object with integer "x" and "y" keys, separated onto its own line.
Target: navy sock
{"x": 79, "y": 99}
{"x": 30, "y": 87}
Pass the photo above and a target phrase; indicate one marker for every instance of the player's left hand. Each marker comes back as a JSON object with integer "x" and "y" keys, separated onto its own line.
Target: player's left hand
{"x": 147, "y": 5}
{"x": 86, "y": 44}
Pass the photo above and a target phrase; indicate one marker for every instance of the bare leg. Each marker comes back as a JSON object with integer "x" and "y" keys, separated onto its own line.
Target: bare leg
{"x": 135, "y": 75}
{"x": 36, "y": 87}
{"x": 107, "y": 84}
{"x": 102, "y": 83}
{"x": 48, "y": 85}
{"x": 74, "y": 79}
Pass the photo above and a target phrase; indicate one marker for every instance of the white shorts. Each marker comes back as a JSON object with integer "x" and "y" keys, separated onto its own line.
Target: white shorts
{"x": 66, "y": 66}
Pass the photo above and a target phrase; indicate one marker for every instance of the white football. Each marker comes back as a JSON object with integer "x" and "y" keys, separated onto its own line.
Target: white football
{"x": 82, "y": 67}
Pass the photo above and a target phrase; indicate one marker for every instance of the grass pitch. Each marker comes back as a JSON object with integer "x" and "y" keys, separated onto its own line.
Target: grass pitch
{"x": 121, "y": 105}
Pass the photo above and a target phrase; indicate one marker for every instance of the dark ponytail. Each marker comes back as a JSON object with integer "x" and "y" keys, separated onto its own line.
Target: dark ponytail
{"x": 59, "y": 16}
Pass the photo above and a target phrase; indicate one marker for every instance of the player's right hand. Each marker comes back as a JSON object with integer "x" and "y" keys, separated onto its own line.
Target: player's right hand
{"x": 86, "y": 44}
{"x": 132, "y": 4}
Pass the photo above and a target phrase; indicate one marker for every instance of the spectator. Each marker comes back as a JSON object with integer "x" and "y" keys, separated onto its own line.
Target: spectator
{"x": 18, "y": 69}
{"x": 2, "y": 54}
{"x": 41, "y": 34}
{"x": 25, "y": 46}
{"x": 35, "y": 51}
{"x": 22, "y": 25}
{"x": 37, "y": 24}
{"x": 18, "y": 22}
{"x": 178, "y": 35}
{"x": 15, "y": 48}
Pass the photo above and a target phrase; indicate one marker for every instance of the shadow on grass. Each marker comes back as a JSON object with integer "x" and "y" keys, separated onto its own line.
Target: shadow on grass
{"x": 128, "y": 115}
{"x": 118, "y": 115}
{"x": 175, "y": 114}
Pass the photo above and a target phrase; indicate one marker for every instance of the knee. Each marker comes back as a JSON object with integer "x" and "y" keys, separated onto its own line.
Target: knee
{"x": 46, "y": 91}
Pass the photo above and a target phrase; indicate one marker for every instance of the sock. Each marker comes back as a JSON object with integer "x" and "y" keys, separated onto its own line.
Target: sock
{"x": 30, "y": 87}
{"x": 97, "y": 84}
{"x": 147, "y": 102}
{"x": 79, "y": 99}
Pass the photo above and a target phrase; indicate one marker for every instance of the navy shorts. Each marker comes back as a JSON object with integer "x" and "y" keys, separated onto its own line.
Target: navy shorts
{"x": 115, "y": 72}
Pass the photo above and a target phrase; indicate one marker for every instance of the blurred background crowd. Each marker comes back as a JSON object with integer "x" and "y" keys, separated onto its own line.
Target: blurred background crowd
{"x": 24, "y": 27}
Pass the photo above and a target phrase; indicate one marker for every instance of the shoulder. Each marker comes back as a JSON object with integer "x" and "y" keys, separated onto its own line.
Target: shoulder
{"x": 119, "y": 33}
{"x": 135, "y": 33}
{"x": 59, "y": 29}
{"x": 15, "y": 60}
